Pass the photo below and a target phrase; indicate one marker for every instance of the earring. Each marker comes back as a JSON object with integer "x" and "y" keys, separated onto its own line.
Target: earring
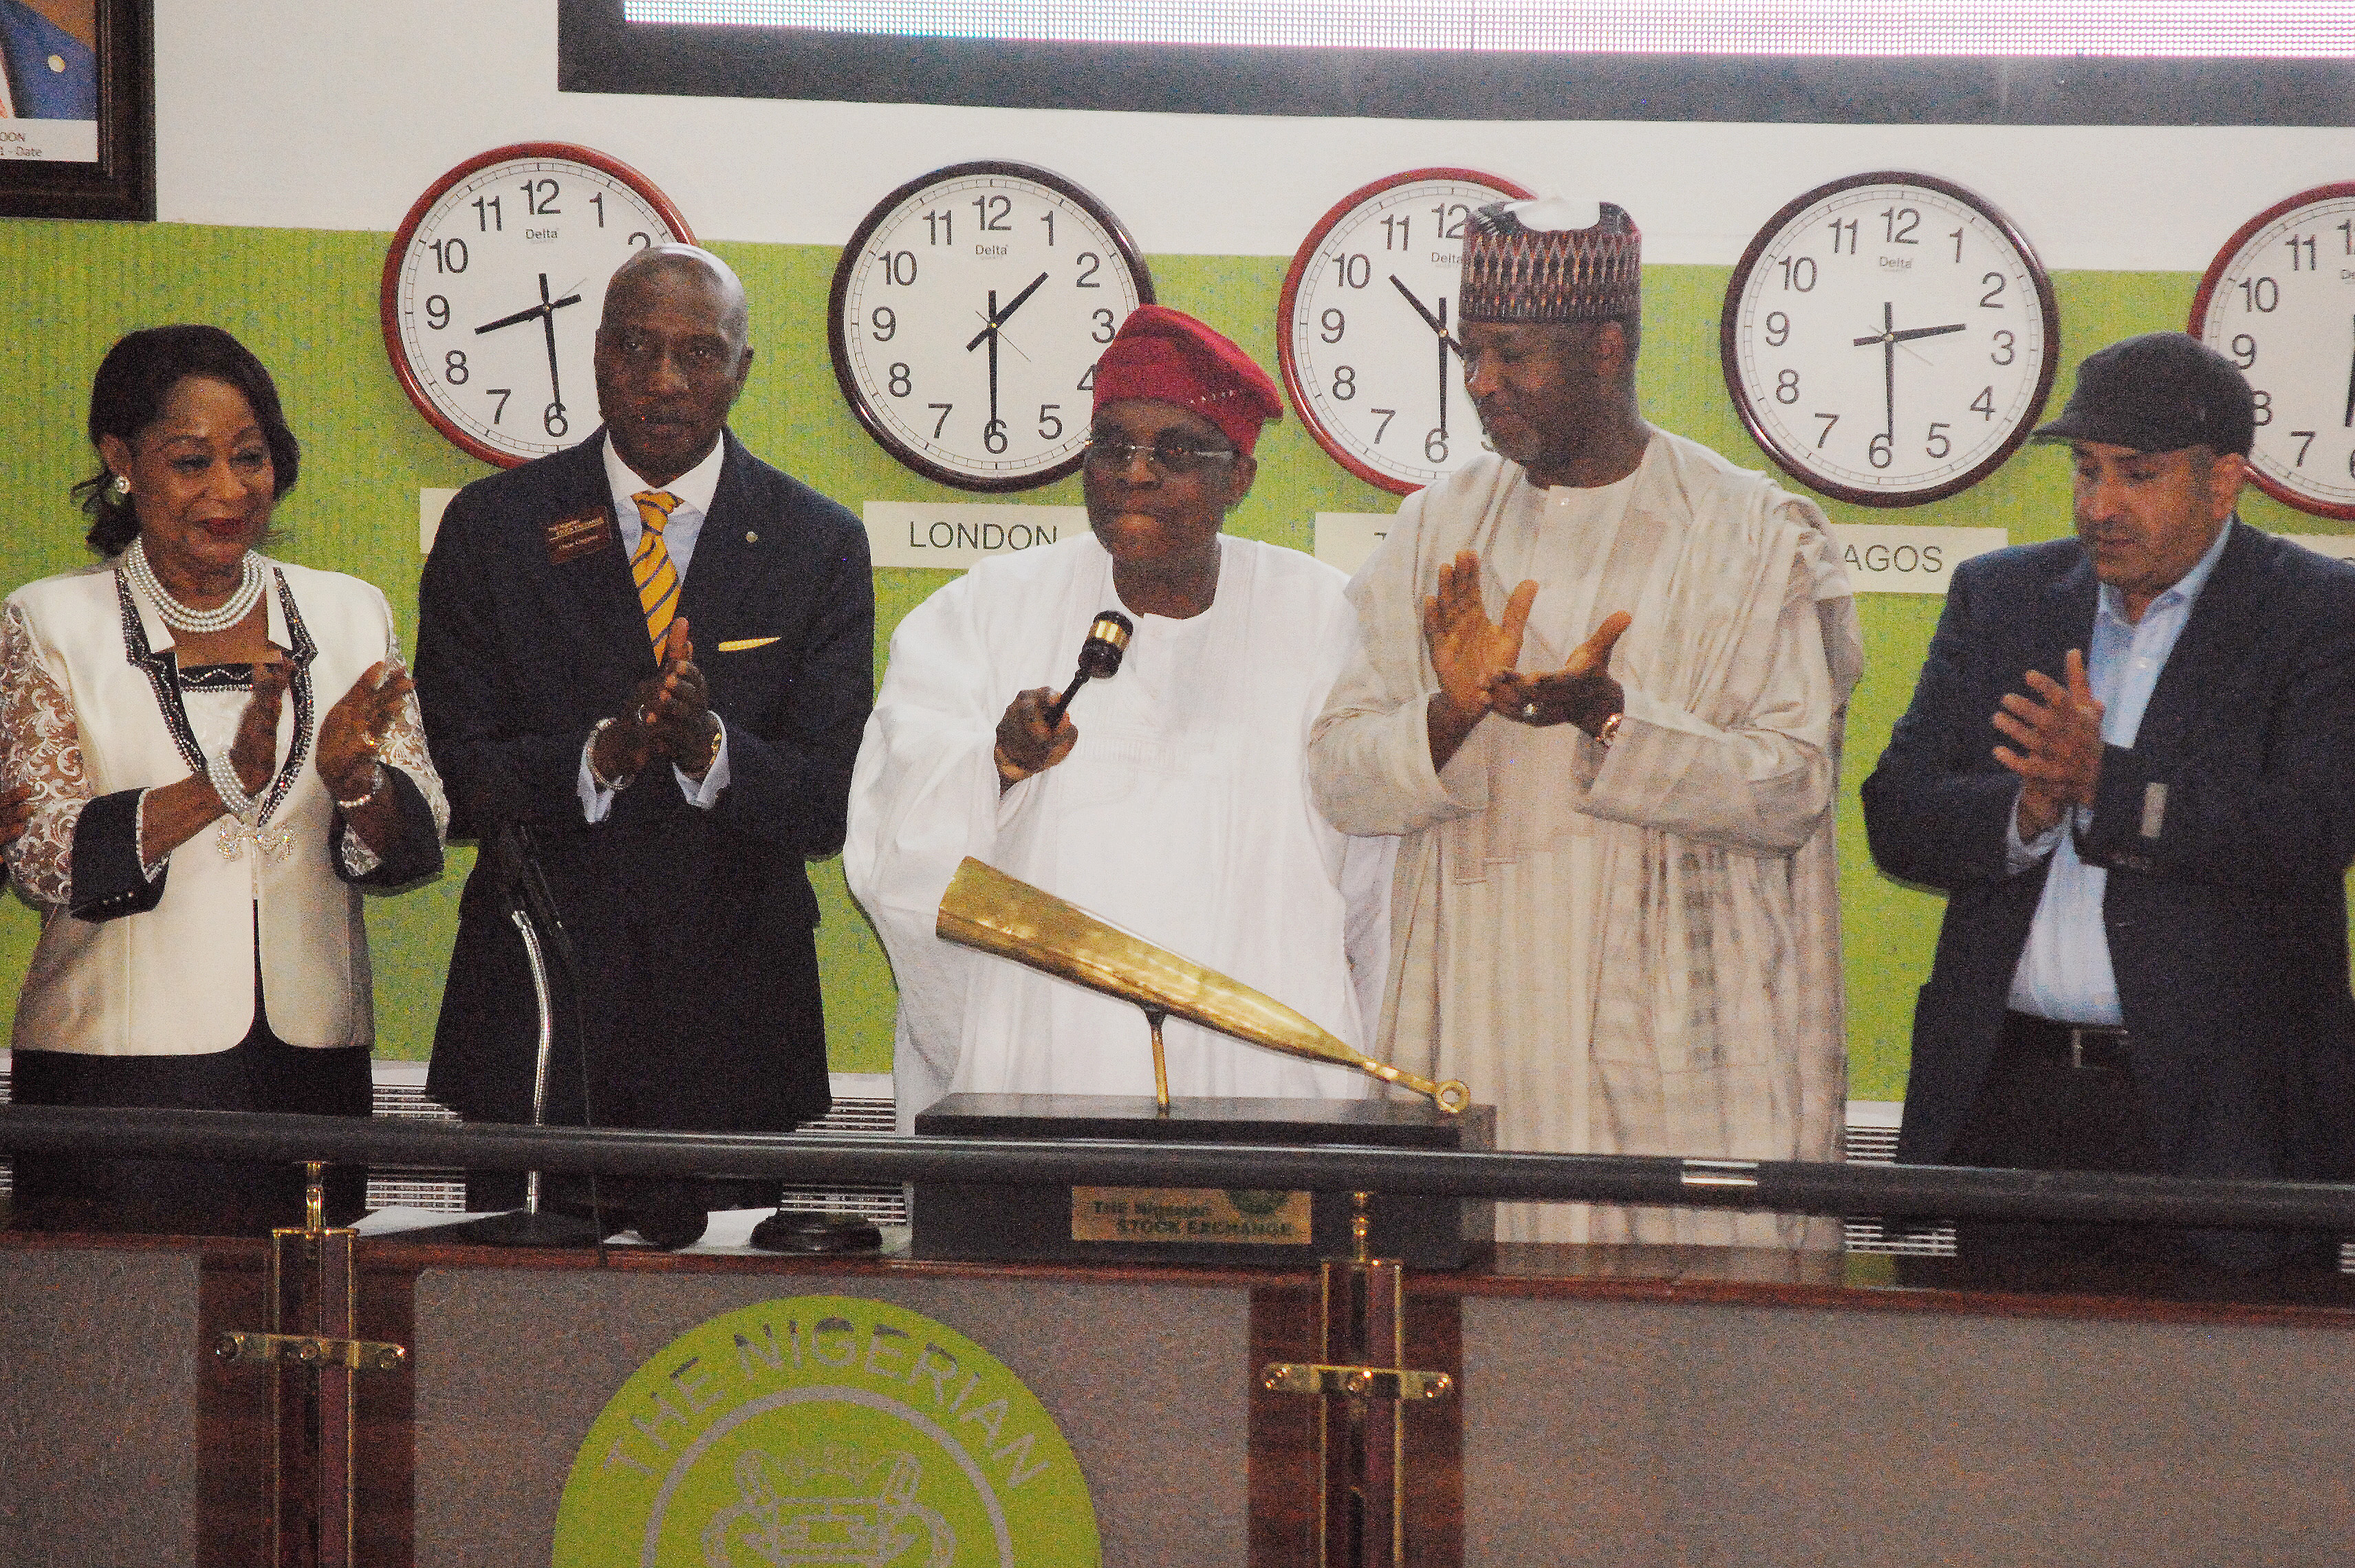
{"x": 122, "y": 484}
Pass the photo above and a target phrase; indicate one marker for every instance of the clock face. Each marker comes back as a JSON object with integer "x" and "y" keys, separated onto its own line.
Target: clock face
{"x": 494, "y": 285}
{"x": 2279, "y": 300}
{"x": 1366, "y": 325}
{"x": 1889, "y": 338}
{"x": 967, "y": 316}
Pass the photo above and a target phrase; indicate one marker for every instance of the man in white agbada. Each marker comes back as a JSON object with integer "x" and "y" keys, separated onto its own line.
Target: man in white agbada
{"x": 1172, "y": 798}
{"x": 1614, "y": 914}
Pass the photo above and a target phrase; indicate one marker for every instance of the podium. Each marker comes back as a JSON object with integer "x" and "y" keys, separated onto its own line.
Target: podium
{"x": 983, "y": 1223}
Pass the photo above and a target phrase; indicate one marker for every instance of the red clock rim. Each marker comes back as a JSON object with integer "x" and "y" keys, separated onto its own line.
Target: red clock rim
{"x": 388, "y": 288}
{"x": 1728, "y": 366}
{"x": 1510, "y": 189}
{"x": 839, "y": 352}
{"x": 2337, "y": 511}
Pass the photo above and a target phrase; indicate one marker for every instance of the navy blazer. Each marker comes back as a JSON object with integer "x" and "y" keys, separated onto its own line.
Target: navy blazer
{"x": 30, "y": 41}
{"x": 694, "y": 927}
{"x": 2226, "y": 829}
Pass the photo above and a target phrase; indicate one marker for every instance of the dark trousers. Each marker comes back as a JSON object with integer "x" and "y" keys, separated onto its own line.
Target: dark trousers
{"x": 2045, "y": 1107}
{"x": 207, "y": 1198}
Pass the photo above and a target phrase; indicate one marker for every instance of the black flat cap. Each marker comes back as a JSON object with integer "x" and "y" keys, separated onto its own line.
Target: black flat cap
{"x": 2160, "y": 392}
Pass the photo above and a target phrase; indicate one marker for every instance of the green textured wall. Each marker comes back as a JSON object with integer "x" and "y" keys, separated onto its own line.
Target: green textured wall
{"x": 305, "y": 302}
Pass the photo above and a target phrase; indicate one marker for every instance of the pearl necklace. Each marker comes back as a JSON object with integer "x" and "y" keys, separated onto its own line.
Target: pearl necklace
{"x": 178, "y": 616}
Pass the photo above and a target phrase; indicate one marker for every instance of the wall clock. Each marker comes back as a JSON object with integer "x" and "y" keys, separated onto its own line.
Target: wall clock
{"x": 968, "y": 314}
{"x": 1889, "y": 338}
{"x": 493, "y": 288}
{"x": 2279, "y": 298}
{"x": 1365, "y": 327}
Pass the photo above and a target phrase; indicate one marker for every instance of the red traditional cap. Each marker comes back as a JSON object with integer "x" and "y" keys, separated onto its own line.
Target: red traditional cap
{"x": 1170, "y": 357}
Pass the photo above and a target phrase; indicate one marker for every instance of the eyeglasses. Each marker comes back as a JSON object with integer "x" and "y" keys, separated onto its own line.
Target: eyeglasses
{"x": 1110, "y": 455}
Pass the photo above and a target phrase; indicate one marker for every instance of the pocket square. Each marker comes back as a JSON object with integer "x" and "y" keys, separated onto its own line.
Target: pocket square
{"x": 745, "y": 644}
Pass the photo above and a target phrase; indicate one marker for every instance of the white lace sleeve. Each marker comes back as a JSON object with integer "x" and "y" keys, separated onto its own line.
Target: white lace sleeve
{"x": 40, "y": 745}
{"x": 403, "y": 748}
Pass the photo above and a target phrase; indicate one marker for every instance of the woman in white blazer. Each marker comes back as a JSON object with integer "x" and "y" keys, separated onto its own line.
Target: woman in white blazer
{"x": 223, "y": 750}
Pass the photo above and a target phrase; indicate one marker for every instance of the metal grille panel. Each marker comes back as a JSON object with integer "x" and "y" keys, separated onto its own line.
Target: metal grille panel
{"x": 1873, "y": 1143}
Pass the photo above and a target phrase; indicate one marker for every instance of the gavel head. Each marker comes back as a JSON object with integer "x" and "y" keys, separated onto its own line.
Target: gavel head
{"x": 1107, "y": 641}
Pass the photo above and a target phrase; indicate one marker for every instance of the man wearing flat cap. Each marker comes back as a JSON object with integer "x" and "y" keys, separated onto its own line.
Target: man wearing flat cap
{"x": 1170, "y": 798}
{"x": 2129, "y": 764}
{"x": 1600, "y": 694}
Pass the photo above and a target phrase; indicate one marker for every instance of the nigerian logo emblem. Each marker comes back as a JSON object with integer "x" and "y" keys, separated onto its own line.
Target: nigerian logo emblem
{"x": 825, "y": 1431}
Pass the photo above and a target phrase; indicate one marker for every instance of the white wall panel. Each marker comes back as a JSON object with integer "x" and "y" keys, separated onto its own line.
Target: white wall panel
{"x": 336, "y": 113}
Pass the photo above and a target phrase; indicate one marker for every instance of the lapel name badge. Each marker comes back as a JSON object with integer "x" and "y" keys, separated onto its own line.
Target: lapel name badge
{"x": 570, "y": 539}
{"x": 745, "y": 644}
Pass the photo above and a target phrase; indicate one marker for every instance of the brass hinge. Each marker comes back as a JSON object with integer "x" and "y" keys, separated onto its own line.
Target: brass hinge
{"x": 247, "y": 1348}
{"x": 1357, "y": 1383}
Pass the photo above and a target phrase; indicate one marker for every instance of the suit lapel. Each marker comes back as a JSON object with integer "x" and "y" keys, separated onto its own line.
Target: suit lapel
{"x": 610, "y": 621}
{"x": 2066, "y": 620}
{"x": 2227, "y": 617}
{"x": 724, "y": 562}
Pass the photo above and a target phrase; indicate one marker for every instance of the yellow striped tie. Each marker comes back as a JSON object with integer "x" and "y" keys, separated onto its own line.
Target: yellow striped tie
{"x": 657, "y": 579}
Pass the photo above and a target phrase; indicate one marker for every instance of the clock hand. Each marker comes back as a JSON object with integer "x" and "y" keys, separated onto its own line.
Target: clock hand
{"x": 997, "y": 317}
{"x": 534, "y": 312}
{"x": 542, "y": 308}
{"x": 547, "y": 326}
{"x": 2349, "y": 420}
{"x": 1436, "y": 324}
{"x": 1443, "y": 341}
{"x": 1887, "y": 339}
{"x": 1912, "y": 333}
{"x": 1018, "y": 301}
{"x": 996, "y": 321}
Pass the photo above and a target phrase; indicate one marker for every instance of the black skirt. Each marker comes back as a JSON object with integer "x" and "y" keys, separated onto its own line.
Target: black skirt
{"x": 206, "y": 1198}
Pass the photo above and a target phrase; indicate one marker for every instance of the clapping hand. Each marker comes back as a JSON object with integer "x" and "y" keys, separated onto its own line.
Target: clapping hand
{"x": 2058, "y": 733}
{"x": 1580, "y": 692}
{"x": 351, "y": 737}
{"x": 253, "y": 753}
{"x": 679, "y": 711}
{"x": 1468, "y": 651}
{"x": 669, "y": 715}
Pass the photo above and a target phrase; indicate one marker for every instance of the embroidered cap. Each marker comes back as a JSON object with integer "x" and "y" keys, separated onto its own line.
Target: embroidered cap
{"x": 1170, "y": 357}
{"x": 1548, "y": 260}
{"x": 2160, "y": 392}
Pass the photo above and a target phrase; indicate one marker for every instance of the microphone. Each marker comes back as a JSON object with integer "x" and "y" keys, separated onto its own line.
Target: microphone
{"x": 1100, "y": 655}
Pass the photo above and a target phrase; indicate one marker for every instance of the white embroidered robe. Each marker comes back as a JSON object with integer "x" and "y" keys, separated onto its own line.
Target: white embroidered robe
{"x": 1183, "y": 813}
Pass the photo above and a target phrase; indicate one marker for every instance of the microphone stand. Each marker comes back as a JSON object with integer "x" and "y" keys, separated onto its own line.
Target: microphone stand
{"x": 532, "y": 907}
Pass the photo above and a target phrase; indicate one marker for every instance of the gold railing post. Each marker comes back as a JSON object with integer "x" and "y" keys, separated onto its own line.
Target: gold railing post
{"x": 1363, "y": 1383}
{"x": 312, "y": 1349}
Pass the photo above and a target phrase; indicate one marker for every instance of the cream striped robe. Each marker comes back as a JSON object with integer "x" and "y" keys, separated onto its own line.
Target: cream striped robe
{"x": 1633, "y": 950}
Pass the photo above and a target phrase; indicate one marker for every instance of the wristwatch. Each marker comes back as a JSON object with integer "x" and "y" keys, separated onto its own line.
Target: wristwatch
{"x": 596, "y": 732}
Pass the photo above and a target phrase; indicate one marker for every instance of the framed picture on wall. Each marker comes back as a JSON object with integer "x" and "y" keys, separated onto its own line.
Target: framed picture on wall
{"x": 77, "y": 109}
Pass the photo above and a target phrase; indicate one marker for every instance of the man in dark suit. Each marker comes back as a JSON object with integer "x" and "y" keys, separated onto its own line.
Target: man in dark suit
{"x": 2129, "y": 763}
{"x": 655, "y": 652}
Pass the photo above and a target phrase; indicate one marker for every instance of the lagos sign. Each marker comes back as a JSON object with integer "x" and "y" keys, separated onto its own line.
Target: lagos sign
{"x": 825, "y": 1431}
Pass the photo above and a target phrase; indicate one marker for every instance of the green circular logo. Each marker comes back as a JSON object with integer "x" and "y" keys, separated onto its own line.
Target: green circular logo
{"x": 825, "y": 1431}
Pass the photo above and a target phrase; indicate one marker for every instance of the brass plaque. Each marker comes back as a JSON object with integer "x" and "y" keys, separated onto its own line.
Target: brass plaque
{"x": 1205, "y": 1216}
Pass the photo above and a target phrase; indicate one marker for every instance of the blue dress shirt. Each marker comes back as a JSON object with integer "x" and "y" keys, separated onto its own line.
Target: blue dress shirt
{"x": 2064, "y": 970}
